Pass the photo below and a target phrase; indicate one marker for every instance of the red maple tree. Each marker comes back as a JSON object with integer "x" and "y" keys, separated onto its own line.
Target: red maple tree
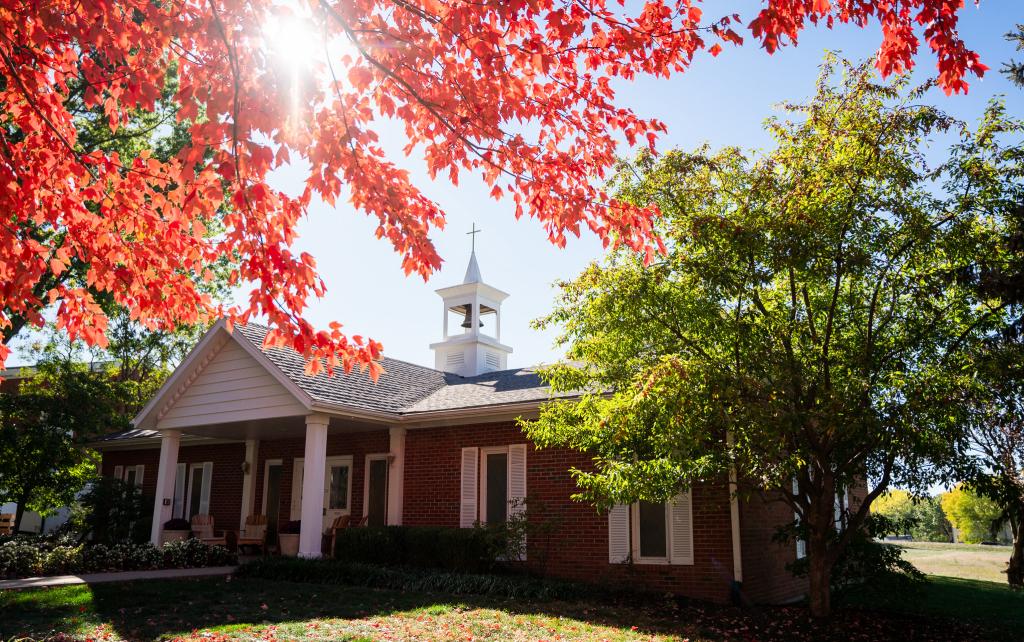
{"x": 517, "y": 91}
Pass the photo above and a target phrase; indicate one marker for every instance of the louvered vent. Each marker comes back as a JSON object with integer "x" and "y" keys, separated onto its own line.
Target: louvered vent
{"x": 492, "y": 360}
{"x": 455, "y": 359}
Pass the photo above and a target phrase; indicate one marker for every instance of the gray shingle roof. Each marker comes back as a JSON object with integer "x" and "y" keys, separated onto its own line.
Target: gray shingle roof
{"x": 404, "y": 388}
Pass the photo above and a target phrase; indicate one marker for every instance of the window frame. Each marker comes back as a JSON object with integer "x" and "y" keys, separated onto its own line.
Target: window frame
{"x": 634, "y": 536}
{"x": 482, "y": 476}
{"x": 371, "y": 457}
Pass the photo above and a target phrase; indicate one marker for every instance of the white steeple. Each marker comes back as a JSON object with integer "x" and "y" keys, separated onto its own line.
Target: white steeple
{"x": 476, "y": 307}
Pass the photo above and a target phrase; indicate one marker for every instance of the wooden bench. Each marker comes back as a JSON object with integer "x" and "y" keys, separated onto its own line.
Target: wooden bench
{"x": 6, "y": 523}
{"x": 254, "y": 534}
{"x": 202, "y": 528}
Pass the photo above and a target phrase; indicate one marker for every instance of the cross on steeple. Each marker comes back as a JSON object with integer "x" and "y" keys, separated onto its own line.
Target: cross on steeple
{"x": 472, "y": 235}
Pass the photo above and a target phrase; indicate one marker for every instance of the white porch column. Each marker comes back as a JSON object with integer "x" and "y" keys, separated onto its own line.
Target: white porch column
{"x": 167, "y": 469}
{"x": 313, "y": 466}
{"x": 396, "y": 477}
{"x": 252, "y": 449}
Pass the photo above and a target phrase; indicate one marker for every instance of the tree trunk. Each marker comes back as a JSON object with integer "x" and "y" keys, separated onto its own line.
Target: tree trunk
{"x": 819, "y": 576}
{"x": 19, "y": 512}
{"x": 1015, "y": 569}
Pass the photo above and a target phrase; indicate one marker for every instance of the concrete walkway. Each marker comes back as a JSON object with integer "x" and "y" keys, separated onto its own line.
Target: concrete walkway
{"x": 120, "y": 576}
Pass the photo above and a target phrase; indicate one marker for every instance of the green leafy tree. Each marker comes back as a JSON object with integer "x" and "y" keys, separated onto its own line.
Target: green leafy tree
{"x": 804, "y": 327}
{"x": 42, "y": 427}
{"x": 1013, "y": 69}
{"x": 976, "y": 517}
{"x": 920, "y": 517}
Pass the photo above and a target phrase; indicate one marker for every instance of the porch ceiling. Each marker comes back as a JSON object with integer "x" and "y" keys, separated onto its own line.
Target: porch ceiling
{"x": 277, "y": 428}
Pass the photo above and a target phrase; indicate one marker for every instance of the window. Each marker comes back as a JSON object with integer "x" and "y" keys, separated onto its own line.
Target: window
{"x": 375, "y": 489}
{"x": 130, "y": 474}
{"x": 494, "y": 509}
{"x": 493, "y": 483}
{"x": 652, "y": 529}
{"x": 338, "y": 487}
{"x": 198, "y": 498}
{"x": 652, "y": 532}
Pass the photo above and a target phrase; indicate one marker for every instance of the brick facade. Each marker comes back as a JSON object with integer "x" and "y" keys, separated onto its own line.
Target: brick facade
{"x": 578, "y": 547}
{"x": 225, "y": 484}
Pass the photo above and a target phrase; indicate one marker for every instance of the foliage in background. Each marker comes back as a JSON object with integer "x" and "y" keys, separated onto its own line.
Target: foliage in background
{"x": 42, "y": 427}
{"x": 808, "y": 322}
{"x": 976, "y": 517}
{"x": 920, "y": 517}
{"x": 1013, "y": 69}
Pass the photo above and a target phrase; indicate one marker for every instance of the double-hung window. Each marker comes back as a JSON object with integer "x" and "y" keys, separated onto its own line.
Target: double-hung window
{"x": 130, "y": 474}
{"x": 652, "y": 532}
{"x": 492, "y": 484}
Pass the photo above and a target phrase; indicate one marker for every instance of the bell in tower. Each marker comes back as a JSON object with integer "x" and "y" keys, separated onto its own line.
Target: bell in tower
{"x": 478, "y": 348}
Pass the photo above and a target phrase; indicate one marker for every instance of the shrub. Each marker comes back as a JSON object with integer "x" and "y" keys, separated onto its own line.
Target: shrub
{"x": 456, "y": 549}
{"x": 191, "y": 553}
{"x": 413, "y": 579}
{"x": 62, "y": 559}
{"x": 28, "y": 556}
{"x": 20, "y": 557}
{"x": 867, "y": 562}
{"x": 111, "y": 511}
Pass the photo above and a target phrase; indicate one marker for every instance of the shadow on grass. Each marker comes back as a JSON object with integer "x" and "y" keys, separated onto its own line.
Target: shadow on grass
{"x": 147, "y": 610}
{"x": 165, "y": 609}
{"x": 990, "y": 603}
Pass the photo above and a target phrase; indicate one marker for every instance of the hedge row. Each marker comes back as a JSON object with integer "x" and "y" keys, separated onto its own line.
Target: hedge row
{"x": 411, "y": 579}
{"x": 465, "y": 550}
{"x": 33, "y": 556}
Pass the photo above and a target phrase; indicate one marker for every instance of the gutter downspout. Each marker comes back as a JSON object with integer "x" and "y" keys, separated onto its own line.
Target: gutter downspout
{"x": 734, "y": 515}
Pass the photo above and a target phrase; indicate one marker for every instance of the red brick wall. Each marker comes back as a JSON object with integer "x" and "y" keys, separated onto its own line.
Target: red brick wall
{"x": 765, "y": 578}
{"x": 225, "y": 485}
{"x": 358, "y": 444}
{"x": 580, "y": 544}
{"x": 577, "y": 550}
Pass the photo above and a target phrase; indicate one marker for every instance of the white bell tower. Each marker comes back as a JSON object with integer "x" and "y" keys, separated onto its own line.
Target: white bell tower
{"x": 472, "y": 325}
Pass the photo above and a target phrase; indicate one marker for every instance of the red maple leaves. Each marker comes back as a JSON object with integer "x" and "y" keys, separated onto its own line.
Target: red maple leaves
{"x": 516, "y": 91}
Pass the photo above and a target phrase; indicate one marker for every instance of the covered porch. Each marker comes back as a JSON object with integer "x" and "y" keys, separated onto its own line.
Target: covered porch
{"x": 305, "y": 448}
{"x": 310, "y": 468}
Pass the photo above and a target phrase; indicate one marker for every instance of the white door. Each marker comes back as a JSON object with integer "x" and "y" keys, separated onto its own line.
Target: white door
{"x": 337, "y": 489}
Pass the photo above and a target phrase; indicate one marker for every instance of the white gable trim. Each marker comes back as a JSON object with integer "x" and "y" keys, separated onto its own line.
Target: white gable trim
{"x": 194, "y": 364}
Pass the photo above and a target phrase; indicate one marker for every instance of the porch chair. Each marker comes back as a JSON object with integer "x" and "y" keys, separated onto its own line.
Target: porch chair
{"x": 254, "y": 534}
{"x": 6, "y": 523}
{"x": 342, "y": 522}
{"x": 202, "y": 528}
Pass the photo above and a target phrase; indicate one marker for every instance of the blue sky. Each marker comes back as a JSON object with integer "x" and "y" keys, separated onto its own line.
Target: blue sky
{"x": 719, "y": 100}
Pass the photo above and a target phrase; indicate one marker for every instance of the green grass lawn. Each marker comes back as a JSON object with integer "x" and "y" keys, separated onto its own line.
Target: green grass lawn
{"x": 966, "y": 561}
{"x": 215, "y": 608}
{"x": 261, "y": 609}
{"x": 965, "y": 583}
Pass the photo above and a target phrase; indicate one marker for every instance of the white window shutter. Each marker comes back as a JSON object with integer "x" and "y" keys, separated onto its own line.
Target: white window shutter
{"x": 801, "y": 544}
{"x": 517, "y": 476}
{"x": 618, "y": 534}
{"x": 119, "y": 472}
{"x": 469, "y": 484}
{"x": 680, "y": 515}
{"x": 179, "y": 491}
{"x": 204, "y": 498}
{"x": 140, "y": 470}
